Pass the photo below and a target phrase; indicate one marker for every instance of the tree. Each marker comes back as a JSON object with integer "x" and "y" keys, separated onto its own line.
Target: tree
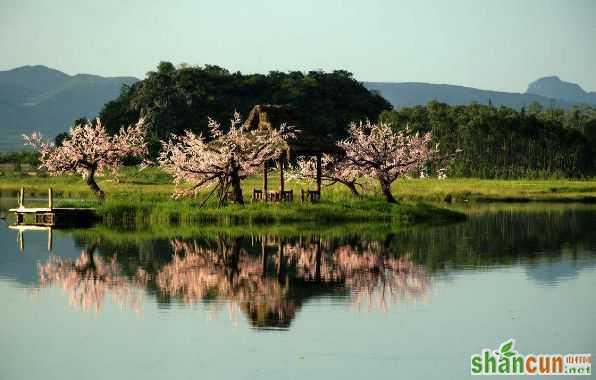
{"x": 224, "y": 161}
{"x": 379, "y": 152}
{"x": 60, "y": 137}
{"x": 89, "y": 150}
{"x": 333, "y": 170}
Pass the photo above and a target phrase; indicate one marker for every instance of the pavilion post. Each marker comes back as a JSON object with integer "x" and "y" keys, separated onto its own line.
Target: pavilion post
{"x": 50, "y": 240}
{"x": 281, "y": 174}
{"x": 319, "y": 173}
{"x": 264, "y": 178}
{"x": 281, "y": 269}
{"x": 50, "y": 198}
{"x": 318, "y": 262}
{"x": 263, "y": 257}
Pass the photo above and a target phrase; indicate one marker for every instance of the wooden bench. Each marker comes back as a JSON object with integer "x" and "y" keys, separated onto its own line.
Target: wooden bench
{"x": 310, "y": 195}
{"x": 257, "y": 195}
{"x": 272, "y": 196}
{"x": 287, "y": 196}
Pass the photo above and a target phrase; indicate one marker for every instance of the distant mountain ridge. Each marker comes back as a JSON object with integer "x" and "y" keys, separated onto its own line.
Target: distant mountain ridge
{"x": 548, "y": 91}
{"x": 553, "y": 87}
{"x": 38, "y": 98}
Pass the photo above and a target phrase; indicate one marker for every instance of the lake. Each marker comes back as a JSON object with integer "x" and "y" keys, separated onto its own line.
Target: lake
{"x": 323, "y": 302}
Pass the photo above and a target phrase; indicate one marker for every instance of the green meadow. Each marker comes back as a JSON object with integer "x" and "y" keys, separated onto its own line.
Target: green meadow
{"x": 134, "y": 196}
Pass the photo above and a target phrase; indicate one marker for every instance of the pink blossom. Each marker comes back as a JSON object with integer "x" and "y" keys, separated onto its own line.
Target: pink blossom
{"x": 197, "y": 163}
{"x": 377, "y": 151}
{"x": 90, "y": 150}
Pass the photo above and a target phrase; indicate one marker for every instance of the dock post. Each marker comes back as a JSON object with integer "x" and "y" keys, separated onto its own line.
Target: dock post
{"x": 50, "y": 198}
{"x": 21, "y": 198}
{"x": 21, "y": 240}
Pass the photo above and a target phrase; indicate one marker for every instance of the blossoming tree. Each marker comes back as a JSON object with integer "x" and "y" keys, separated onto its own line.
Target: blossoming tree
{"x": 89, "y": 150}
{"x": 377, "y": 151}
{"x": 333, "y": 170}
{"x": 222, "y": 162}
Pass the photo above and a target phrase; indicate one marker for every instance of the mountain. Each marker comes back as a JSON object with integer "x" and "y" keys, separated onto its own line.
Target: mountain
{"x": 38, "y": 98}
{"x": 408, "y": 94}
{"x": 553, "y": 87}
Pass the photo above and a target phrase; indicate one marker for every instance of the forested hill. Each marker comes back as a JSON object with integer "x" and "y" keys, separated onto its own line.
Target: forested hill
{"x": 38, "y": 98}
{"x": 172, "y": 99}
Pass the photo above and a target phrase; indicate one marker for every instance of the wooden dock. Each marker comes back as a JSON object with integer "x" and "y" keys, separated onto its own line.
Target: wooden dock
{"x": 52, "y": 216}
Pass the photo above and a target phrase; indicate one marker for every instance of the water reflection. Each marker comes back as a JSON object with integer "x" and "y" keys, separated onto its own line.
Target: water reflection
{"x": 270, "y": 289}
{"x": 269, "y": 276}
{"x": 88, "y": 279}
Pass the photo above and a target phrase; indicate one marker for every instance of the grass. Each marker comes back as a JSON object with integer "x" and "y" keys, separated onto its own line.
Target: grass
{"x": 145, "y": 197}
{"x": 156, "y": 185}
{"x": 137, "y": 212}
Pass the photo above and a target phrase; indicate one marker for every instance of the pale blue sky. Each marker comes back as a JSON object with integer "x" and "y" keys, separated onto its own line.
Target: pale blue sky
{"x": 501, "y": 45}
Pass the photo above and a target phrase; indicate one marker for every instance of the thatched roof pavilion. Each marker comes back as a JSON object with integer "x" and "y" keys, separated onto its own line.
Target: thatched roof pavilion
{"x": 269, "y": 116}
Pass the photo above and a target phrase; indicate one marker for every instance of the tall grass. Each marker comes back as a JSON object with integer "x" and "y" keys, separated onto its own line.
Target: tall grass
{"x": 141, "y": 211}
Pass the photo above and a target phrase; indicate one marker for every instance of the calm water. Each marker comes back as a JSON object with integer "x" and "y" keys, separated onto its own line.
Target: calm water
{"x": 336, "y": 303}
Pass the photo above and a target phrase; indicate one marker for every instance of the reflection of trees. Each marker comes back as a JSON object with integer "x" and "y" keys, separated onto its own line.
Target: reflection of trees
{"x": 503, "y": 238}
{"x": 88, "y": 280}
{"x": 371, "y": 272}
{"x": 270, "y": 290}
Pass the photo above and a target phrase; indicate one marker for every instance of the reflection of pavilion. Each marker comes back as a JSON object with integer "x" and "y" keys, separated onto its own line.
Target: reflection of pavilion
{"x": 270, "y": 289}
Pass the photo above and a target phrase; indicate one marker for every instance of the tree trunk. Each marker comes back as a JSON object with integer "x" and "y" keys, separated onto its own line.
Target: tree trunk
{"x": 91, "y": 267}
{"x": 352, "y": 187}
{"x": 90, "y": 181}
{"x": 386, "y": 189}
{"x": 237, "y": 189}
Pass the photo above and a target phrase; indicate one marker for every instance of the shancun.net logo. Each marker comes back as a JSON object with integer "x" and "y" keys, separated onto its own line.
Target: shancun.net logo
{"x": 507, "y": 361}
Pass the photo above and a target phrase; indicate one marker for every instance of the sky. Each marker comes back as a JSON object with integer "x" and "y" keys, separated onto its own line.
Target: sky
{"x": 498, "y": 45}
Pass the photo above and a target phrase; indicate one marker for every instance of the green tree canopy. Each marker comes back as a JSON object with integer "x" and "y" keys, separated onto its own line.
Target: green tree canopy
{"x": 505, "y": 143}
{"x": 175, "y": 99}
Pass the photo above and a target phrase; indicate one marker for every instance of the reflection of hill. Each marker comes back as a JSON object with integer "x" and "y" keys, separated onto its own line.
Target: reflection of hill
{"x": 549, "y": 272}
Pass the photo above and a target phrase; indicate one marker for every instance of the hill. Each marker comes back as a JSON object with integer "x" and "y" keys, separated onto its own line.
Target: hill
{"x": 38, "y": 98}
{"x": 555, "y": 88}
{"x": 543, "y": 91}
